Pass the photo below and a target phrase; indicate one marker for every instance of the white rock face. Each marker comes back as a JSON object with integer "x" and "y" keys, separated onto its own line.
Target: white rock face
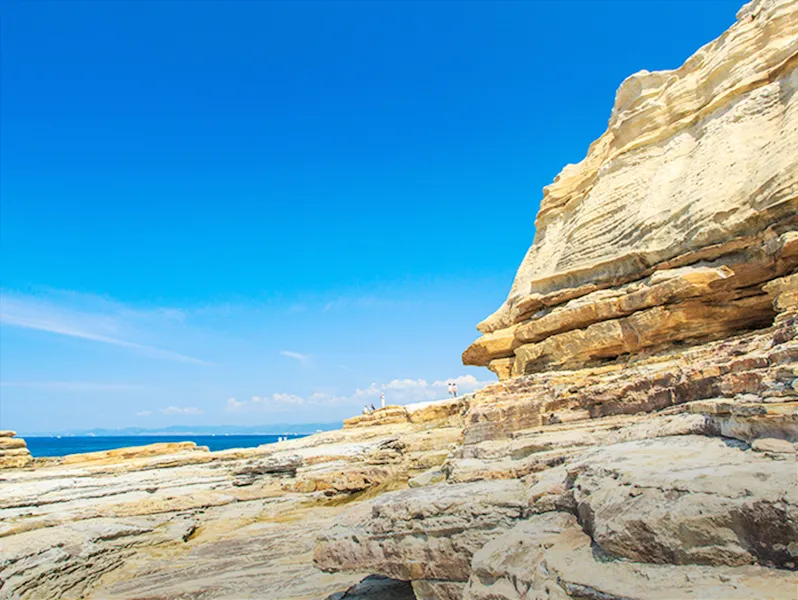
{"x": 691, "y": 157}
{"x": 680, "y": 216}
{"x": 549, "y": 556}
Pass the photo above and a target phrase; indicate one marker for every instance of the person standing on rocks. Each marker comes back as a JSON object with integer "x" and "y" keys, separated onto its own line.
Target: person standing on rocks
{"x": 450, "y": 389}
{"x": 382, "y": 400}
{"x": 454, "y": 390}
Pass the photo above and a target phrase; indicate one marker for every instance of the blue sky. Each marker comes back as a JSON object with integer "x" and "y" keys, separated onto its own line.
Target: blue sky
{"x": 258, "y": 212}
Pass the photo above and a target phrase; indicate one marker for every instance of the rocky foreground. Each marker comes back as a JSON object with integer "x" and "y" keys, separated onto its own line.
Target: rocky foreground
{"x": 641, "y": 441}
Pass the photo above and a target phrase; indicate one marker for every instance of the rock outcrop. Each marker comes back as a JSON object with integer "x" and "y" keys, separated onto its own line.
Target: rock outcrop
{"x": 678, "y": 218}
{"x": 14, "y": 451}
{"x": 641, "y": 442}
{"x": 174, "y": 521}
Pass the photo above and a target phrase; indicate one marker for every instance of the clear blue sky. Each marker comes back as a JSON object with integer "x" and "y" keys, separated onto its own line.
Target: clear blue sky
{"x": 255, "y": 212}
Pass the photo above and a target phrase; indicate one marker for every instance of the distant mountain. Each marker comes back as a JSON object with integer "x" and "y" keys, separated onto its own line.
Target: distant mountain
{"x": 279, "y": 428}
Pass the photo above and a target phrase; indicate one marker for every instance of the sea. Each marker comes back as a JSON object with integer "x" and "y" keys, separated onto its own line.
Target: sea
{"x": 61, "y": 445}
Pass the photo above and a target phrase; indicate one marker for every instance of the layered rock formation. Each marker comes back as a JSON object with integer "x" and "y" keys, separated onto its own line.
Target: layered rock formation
{"x": 640, "y": 444}
{"x": 13, "y": 450}
{"x": 642, "y": 441}
{"x": 607, "y": 482}
{"x": 174, "y": 521}
{"x": 679, "y": 215}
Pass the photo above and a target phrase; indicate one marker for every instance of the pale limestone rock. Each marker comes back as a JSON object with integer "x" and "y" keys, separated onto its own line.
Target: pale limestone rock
{"x": 194, "y": 523}
{"x": 431, "y": 477}
{"x": 14, "y": 453}
{"x": 10, "y": 443}
{"x": 662, "y": 149}
{"x": 784, "y": 292}
{"x": 382, "y": 416}
{"x": 549, "y": 556}
{"x": 438, "y": 590}
{"x": 440, "y": 412}
{"x": 163, "y": 448}
{"x": 637, "y": 345}
{"x": 688, "y": 500}
{"x": 691, "y": 194}
{"x": 773, "y": 445}
{"x": 428, "y": 533}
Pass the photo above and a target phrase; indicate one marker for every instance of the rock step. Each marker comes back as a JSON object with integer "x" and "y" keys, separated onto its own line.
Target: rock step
{"x": 117, "y": 454}
{"x": 14, "y": 453}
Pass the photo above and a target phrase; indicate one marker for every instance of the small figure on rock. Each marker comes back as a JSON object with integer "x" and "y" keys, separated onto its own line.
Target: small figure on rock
{"x": 454, "y": 390}
{"x": 382, "y": 399}
{"x": 372, "y": 407}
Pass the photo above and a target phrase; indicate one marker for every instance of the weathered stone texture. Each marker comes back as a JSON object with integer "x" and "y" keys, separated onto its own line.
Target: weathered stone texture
{"x": 672, "y": 227}
{"x": 641, "y": 442}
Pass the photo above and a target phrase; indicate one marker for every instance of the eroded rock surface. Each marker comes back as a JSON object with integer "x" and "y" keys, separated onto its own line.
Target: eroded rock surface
{"x": 640, "y": 444}
{"x": 681, "y": 214}
{"x": 174, "y": 521}
{"x": 13, "y": 450}
{"x": 648, "y": 403}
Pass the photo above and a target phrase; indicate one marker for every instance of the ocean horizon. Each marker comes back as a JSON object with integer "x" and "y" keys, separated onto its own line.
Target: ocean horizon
{"x": 61, "y": 445}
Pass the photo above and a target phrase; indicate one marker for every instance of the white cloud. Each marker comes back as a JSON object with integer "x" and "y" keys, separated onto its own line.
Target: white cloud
{"x": 303, "y": 358}
{"x": 397, "y": 391}
{"x": 234, "y": 405}
{"x": 89, "y": 318}
{"x": 287, "y": 399}
{"x": 144, "y": 413}
{"x": 177, "y": 410}
{"x": 404, "y": 391}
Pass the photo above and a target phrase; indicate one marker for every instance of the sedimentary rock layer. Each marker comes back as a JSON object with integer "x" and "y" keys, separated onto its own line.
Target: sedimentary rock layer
{"x": 649, "y": 402}
{"x": 642, "y": 443}
{"x": 174, "y": 521}
{"x": 13, "y": 450}
{"x": 678, "y": 466}
{"x": 678, "y": 217}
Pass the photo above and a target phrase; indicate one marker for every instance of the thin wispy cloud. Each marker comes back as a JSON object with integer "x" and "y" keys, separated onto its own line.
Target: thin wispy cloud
{"x": 386, "y": 299}
{"x": 303, "y": 358}
{"x": 364, "y": 302}
{"x": 74, "y": 386}
{"x": 274, "y": 402}
{"x": 105, "y": 324}
{"x": 144, "y": 413}
{"x": 179, "y": 410}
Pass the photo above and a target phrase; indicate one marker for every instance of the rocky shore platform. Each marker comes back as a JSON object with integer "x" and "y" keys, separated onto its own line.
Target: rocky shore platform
{"x": 640, "y": 443}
